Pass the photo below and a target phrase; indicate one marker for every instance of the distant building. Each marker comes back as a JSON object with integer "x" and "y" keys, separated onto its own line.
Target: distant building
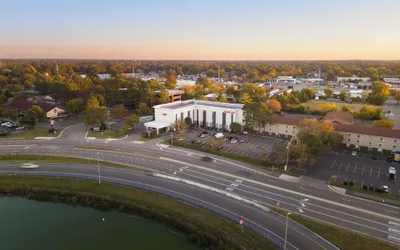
{"x": 353, "y": 79}
{"x": 52, "y": 111}
{"x": 174, "y": 95}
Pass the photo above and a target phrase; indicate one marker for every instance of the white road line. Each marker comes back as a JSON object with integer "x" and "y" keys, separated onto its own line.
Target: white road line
{"x": 394, "y": 224}
{"x": 394, "y": 238}
{"x": 288, "y": 191}
{"x": 394, "y": 231}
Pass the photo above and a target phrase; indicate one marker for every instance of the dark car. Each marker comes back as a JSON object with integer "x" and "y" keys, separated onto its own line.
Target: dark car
{"x": 389, "y": 158}
{"x": 374, "y": 157}
{"x": 207, "y": 159}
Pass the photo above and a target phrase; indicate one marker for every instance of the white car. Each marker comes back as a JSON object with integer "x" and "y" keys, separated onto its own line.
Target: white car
{"x": 181, "y": 138}
{"x": 219, "y": 135}
{"x": 354, "y": 153}
{"x": 20, "y": 128}
{"x": 29, "y": 166}
{"x": 385, "y": 188}
{"x": 7, "y": 124}
{"x": 234, "y": 141}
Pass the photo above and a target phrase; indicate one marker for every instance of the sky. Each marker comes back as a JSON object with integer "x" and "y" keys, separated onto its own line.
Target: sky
{"x": 201, "y": 29}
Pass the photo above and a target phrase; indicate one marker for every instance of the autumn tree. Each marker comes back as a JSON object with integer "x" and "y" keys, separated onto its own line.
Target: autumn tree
{"x": 92, "y": 102}
{"x": 36, "y": 113}
{"x": 397, "y": 96}
{"x": 328, "y": 92}
{"x": 346, "y": 108}
{"x": 383, "y": 124}
{"x": 171, "y": 82}
{"x": 222, "y": 98}
{"x": 144, "y": 109}
{"x": 308, "y": 92}
{"x": 119, "y": 111}
{"x": 75, "y": 106}
{"x": 236, "y": 127}
{"x": 343, "y": 96}
{"x": 328, "y": 107}
{"x": 379, "y": 94}
{"x": 95, "y": 116}
{"x": 274, "y": 105}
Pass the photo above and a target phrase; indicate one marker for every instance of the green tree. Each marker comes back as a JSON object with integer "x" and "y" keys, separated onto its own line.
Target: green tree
{"x": 383, "y": 124}
{"x": 171, "y": 82}
{"x": 92, "y": 102}
{"x": 119, "y": 111}
{"x": 309, "y": 92}
{"x": 95, "y": 116}
{"x": 236, "y": 127}
{"x": 313, "y": 143}
{"x": 343, "y": 96}
{"x": 188, "y": 121}
{"x": 144, "y": 109}
{"x": 132, "y": 120}
{"x": 75, "y": 106}
{"x": 328, "y": 92}
{"x": 223, "y": 98}
{"x": 379, "y": 94}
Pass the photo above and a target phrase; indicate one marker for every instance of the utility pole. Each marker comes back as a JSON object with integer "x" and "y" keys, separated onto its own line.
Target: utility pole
{"x": 287, "y": 217}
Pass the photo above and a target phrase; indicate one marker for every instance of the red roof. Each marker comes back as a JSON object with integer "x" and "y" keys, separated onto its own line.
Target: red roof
{"x": 339, "y": 117}
{"x": 351, "y": 128}
{"x": 25, "y": 105}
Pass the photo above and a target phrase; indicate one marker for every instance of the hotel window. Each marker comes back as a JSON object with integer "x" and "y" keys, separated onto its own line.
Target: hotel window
{"x": 394, "y": 146}
{"x": 394, "y": 141}
{"x": 381, "y": 139}
{"x": 370, "y": 143}
{"x": 349, "y": 134}
{"x": 369, "y": 149}
{"x": 358, "y": 141}
{"x": 287, "y": 126}
{"x": 188, "y": 114}
{"x": 358, "y": 136}
{"x": 348, "y": 139}
{"x": 380, "y": 144}
{"x": 231, "y": 118}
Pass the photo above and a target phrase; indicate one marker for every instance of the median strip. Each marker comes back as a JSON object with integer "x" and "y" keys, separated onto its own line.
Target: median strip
{"x": 115, "y": 150}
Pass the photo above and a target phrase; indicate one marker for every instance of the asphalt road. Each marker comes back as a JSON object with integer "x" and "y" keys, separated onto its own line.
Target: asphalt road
{"x": 297, "y": 238}
{"x": 307, "y": 196}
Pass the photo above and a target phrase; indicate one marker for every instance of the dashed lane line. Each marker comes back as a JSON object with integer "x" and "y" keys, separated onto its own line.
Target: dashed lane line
{"x": 333, "y": 164}
{"x": 340, "y": 165}
{"x": 355, "y": 168}
{"x": 348, "y": 165}
{"x": 287, "y": 190}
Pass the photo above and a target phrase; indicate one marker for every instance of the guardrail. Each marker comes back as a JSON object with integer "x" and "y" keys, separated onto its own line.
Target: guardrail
{"x": 263, "y": 232}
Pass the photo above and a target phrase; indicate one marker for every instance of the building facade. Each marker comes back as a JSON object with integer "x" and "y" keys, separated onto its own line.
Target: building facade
{"x": 202, "y": 113}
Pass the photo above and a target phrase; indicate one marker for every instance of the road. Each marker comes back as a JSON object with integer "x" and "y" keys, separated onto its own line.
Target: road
{"x": 307, "y": 196}
{"x": 297, "y": 238}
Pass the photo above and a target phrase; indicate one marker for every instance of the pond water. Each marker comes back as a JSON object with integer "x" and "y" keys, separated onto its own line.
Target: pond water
{"x": 27, "y": 224}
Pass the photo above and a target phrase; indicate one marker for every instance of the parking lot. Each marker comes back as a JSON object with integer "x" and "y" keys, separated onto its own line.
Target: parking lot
{"x": 246, "y": 145}
{"x": 361, "y": 169}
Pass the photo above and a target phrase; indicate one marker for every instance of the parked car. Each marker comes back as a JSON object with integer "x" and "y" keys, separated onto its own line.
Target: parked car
{"x": 19, "y": 128}
{"x": 241, "y": 141}
{"x": 202, "y": 135}
{"x": 7, "y": 124}
{"x": 389, "y": 158}
{"x": 385, "y": 188}
{"x": 198, "y": 141}
{"x": 374, "y": 157}
{"x": 219, "y": 135}
{"x": 354, "y": 153}
{"x": 181, "y": 138}
{"x": 234, "y": 141}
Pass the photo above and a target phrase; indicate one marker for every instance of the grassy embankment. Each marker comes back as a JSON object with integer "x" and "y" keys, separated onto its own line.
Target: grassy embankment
{"x": 105, "y": 134}
{"x": 61, "y": 159}
{"x": 343, "y": 239}
{"x": 316, "y": 105}
{"x": 31, "y": 134}
{"x": 203, "y": 228}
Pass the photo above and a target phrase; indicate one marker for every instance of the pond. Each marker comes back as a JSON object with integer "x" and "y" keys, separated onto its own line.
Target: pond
{"x": 27, "y": 224}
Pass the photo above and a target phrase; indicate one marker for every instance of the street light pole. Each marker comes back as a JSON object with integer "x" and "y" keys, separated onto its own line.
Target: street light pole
{"x": 98, "y": 167}
{"x": 287, "y": 217}
{"x": 287, "y": 155}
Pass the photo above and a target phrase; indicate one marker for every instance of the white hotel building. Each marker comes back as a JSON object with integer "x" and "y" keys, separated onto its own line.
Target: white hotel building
{"x": 203, "y": 113}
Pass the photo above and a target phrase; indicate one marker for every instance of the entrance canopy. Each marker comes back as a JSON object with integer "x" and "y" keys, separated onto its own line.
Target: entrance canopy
{"x": 157, "y": 125}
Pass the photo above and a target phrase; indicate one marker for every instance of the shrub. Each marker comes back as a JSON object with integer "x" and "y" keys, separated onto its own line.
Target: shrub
{"x": 371, "y": 187}
{"x": 352, "y": 183}
{"x": 365, "y": 187}
{"x": 346, "y": 183}
{"x": 379, "y": 190}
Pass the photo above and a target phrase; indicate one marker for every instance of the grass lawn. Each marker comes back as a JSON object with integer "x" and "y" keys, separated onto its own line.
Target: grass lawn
{"x": 146, "y": 139}
{"x": 316, "y": 105}
{"x": 105, "y": 134}
{"x": 31, "y": 134}
{"x": 343, "y": 239}
{"x": 61, "y": 159}
{"x": 201, "y": 226}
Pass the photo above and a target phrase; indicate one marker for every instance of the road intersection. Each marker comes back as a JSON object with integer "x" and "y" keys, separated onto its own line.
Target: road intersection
{"x": 307, "y": 196}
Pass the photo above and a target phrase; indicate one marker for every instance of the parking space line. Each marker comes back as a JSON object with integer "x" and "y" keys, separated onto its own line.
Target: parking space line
{"x": 370, "y": 171}
{"x": 340, "y": 165}
{"x": 333, "y": 164}
{"x": 379, "y": 172}
{"x": 348, "y": 165}
{"x": 362, "y": 171}
{"x": 355, "y": 168}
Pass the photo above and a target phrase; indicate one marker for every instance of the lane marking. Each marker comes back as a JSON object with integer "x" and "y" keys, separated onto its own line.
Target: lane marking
{"x": 394, "y": 238}
{"x": 355, "y": 168}
{"x": 286, "y": 190}
{"x": 362, "y": 171}
{"x": 379, "y": 172}
{"x": 348, "y": 166}
{"x": 333, "y": 164}
{"x": 370, "y": 171}
{"x": 340, "y": 165}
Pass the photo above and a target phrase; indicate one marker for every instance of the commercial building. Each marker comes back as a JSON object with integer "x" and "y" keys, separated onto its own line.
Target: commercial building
{"x": 353, "y": 79}
{"x": 202, "y": 113}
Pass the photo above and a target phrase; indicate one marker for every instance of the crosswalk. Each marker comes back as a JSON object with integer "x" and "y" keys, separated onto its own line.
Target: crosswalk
{"x": 394, "y": 231}
{"x": 234, "y": 185}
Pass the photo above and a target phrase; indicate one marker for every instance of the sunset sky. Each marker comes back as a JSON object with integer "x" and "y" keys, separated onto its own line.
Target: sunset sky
{"x": 201, "y": 29}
